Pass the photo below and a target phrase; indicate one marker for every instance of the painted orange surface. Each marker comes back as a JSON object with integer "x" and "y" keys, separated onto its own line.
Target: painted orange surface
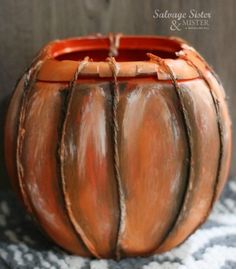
{"x": 116, "y": 152}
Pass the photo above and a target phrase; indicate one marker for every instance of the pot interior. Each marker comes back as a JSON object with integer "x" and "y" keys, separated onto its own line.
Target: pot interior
{"x": 64, "y": 58}
{"x": 130, "y": 48}
{"x": 124, "y": 55}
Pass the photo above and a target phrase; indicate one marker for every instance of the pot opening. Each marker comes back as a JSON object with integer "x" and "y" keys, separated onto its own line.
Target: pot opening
{"x": 130, "y": 52}
{"x": 128, "y": 49}
{"x": 124, "y": 55}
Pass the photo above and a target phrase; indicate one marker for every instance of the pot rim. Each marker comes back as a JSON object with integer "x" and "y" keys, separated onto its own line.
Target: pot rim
{"x": 64, "y": 70}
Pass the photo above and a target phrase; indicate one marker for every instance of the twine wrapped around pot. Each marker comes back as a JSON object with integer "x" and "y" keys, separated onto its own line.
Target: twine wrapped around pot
{"x": 118, "y": 146}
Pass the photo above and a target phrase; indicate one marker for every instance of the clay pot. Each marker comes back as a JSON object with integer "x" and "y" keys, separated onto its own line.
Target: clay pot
{"x": 116, "y": 152}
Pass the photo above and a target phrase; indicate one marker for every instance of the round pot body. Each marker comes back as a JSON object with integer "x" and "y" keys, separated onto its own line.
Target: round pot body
{"x": 118, "y": 146}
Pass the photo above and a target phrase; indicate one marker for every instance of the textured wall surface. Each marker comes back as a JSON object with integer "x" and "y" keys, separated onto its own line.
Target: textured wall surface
{"x": 25, "y": 26}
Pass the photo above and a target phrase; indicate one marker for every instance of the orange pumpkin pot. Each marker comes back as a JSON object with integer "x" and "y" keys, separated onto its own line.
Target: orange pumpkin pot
{"x": 118, "y": 146}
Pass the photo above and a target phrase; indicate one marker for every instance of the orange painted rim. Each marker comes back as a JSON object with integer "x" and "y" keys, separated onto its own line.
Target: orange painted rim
{"x": 61, "y": 58}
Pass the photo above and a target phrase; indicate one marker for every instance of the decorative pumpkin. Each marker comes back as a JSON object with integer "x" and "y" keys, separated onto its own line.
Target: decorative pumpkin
{"x": 118, "y": 146}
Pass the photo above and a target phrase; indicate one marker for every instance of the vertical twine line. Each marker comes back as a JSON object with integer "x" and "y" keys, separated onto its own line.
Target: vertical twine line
{"x": 114, "y": 44}
{"x": 79, "y": 69}
{"x": 71, "y": 88}
{"x": 188, "y": 190}
{"x": 29, "y": 81}
{"x": 77, "y": 229}
{"x": 116, "y": 97}
{"x": 219, "y": 123}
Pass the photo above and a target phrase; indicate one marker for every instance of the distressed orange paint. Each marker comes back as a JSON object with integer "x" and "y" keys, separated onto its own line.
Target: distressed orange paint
{"x": 121, "y": 153}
